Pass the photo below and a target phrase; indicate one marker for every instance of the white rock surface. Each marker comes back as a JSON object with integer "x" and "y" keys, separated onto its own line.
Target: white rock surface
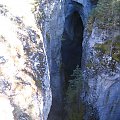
{"x": 24, "y": 73}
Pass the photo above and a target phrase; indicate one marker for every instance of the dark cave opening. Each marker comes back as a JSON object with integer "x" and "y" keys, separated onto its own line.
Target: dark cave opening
{"x": 71, "y": 53}
{"x": 71, "y": 48}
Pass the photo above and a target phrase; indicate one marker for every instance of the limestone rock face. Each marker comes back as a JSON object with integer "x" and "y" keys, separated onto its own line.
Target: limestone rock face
{"x": 82, "y": 6}
{"x": 101, "y": 69}
{"x": 53, "y": 29}
{"x": 24, "y": 73}
{"x": 31, "y": 32}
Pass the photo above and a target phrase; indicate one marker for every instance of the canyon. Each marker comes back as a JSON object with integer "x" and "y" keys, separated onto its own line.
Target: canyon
{"x": 59, "y": 60}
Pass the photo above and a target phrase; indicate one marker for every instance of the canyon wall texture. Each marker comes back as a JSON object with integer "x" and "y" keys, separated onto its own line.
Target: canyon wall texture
{"x": 52, "y": 32}
{"x": 32, "y": 73}
{"x": 24, "y": 72}
{"x": 101, "y": 60}
{"x": 102, "y": 72}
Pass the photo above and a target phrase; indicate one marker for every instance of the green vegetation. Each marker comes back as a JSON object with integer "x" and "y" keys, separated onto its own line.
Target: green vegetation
{"x": 106, "y": 14}
{"x": 110, "y": 48}
{"x": 116, "y": 49}
{"x": 74, "y": 85}
{"x": 103, "y": 48}
{"x": 90, "y": 64}
{"x": 108, "y": 53}
{"x": 74, "y": 106}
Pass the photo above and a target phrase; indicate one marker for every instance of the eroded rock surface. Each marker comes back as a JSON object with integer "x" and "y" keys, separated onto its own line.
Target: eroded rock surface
{"x": 24, "y": 73}
{"x": 102, "y": 71}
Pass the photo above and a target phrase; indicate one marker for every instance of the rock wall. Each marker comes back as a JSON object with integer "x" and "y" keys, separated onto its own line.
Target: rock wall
{"x": 24, "y": 72}
{"x": 53, "y": 28}
{"x": 82, "y": 6}
{"x": 56, "y": 12}
{"x": 30, "y": 61}
{"x": 101, "y": 70}
{"x": 100, "y": 64}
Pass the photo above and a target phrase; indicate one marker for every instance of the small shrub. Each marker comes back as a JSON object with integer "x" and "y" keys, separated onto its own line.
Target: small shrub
{"x": 73, "y": 105}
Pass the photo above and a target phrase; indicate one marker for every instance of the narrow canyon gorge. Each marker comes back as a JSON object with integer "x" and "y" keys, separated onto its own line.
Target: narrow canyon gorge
{"x": 59, "y": 60}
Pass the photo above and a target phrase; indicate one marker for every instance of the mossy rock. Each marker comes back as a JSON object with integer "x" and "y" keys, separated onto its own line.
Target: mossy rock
{"x": 116, "y": 49}
{"x": 90, "y": 64}
{"x": 103, "y": 48}
{"x": 110, "y": 46}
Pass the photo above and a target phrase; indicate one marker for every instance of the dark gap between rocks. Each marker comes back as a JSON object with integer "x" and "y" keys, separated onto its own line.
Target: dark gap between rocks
{"x": 71, "y": 49}
{"x": 71, "y": 52}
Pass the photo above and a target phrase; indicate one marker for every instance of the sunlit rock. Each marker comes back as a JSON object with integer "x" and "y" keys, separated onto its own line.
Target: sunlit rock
{"x": 24, "y": 72}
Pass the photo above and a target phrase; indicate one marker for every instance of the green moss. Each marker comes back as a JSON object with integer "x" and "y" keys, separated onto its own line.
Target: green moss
{"x": 116, "y": 57}
{"x": 90, "y": 64}
{"x": 110, "y": 46}
{"x": 103, "y": 49}
{"x": 116, "y": 49}
{"x": 90, "y": 23}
